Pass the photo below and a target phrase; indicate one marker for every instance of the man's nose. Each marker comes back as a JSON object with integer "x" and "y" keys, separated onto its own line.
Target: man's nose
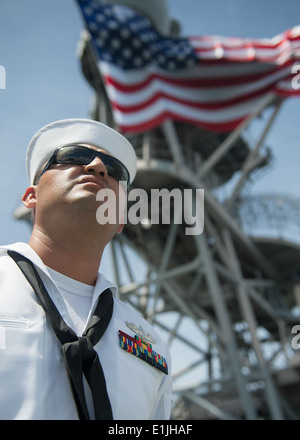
{"x": 97, "y": 167}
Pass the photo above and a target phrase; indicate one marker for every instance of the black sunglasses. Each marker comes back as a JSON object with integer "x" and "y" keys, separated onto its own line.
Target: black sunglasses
{"x": 80, "y": 155}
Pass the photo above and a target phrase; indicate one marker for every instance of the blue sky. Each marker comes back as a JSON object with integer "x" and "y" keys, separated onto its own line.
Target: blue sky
{"x": 38, "y": 44}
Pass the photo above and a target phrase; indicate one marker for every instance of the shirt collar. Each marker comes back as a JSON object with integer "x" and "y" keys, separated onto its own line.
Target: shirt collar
{"x": 102, "y": 282}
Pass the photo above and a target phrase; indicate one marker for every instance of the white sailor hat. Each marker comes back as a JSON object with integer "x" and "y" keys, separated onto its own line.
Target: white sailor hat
{"x": 76, "y": 132}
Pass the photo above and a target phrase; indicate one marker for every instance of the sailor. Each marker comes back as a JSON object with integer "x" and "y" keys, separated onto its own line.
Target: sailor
{"x": 69, "y": 347}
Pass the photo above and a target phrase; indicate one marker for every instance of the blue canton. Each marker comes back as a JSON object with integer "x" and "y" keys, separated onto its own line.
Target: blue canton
{"x": 127, "y": 39}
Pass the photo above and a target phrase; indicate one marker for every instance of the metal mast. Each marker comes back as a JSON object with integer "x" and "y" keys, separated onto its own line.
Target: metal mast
{"x": 224, "y": 301}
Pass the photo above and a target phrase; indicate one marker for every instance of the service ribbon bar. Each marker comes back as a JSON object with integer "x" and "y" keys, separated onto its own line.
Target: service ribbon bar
{"x": 138, "y": 347}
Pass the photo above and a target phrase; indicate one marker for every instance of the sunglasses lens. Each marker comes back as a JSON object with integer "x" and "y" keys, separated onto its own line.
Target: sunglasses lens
{"x": 74, "y": 155}
{"x": 79, "y": 155}
{"x": 115, "y": 168}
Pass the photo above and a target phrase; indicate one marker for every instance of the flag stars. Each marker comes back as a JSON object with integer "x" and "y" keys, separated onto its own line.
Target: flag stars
{"x": 136, "y": 26}
{"x": 171, "y": 65}
{"x": 127, "y": 52}
{"x": 138, "y": 62}
{"x": 92, "y": 26}
{"x": 136, "y": 43}
{"x": 100, "y": 43}
{"x": 88, "y": 11}
{"x": 127, "y": 39}
{"x": 120, "y": 63}
{"x": 146, "y": 54}
{"x": 116, "y": 43}
{"x": 106, "y": 56}
{"x": 100, "y": 18}
{"x": 103, "y": 34}
{"x": 125, "y": 33}
{"x": 112, "y": 24}
{"x": 148, "y": 36}
{"x": 108, "y": 11}
{"x": 161, "y": 59}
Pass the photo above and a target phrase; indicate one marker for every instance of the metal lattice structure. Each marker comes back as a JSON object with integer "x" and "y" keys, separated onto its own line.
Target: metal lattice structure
{"x": 225, "y": 301}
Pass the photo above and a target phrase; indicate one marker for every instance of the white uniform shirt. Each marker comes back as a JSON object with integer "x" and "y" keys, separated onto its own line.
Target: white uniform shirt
{"x": 33, "y": 380}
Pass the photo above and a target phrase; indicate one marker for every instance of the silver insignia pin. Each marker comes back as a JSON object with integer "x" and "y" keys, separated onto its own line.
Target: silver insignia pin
{"x": 141, "y": 332}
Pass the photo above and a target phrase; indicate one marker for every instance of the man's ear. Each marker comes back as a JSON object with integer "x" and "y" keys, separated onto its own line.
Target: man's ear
{"x": 29, "y": 197}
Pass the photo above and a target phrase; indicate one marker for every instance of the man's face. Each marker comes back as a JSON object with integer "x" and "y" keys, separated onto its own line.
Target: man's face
{"x": 73, "y": 188}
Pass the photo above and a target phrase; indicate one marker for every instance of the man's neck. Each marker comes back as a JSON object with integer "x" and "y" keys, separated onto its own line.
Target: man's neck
{"x": 74, "y": 257}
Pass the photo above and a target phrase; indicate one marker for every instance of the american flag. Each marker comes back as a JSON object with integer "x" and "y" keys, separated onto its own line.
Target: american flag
{"x": 210, "y": 81}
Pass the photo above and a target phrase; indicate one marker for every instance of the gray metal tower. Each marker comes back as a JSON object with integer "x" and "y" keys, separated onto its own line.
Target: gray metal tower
{"x": 225, "y": 301}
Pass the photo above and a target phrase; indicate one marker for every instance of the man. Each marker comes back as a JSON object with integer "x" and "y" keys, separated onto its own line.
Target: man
{"x": 41, "y": 376}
